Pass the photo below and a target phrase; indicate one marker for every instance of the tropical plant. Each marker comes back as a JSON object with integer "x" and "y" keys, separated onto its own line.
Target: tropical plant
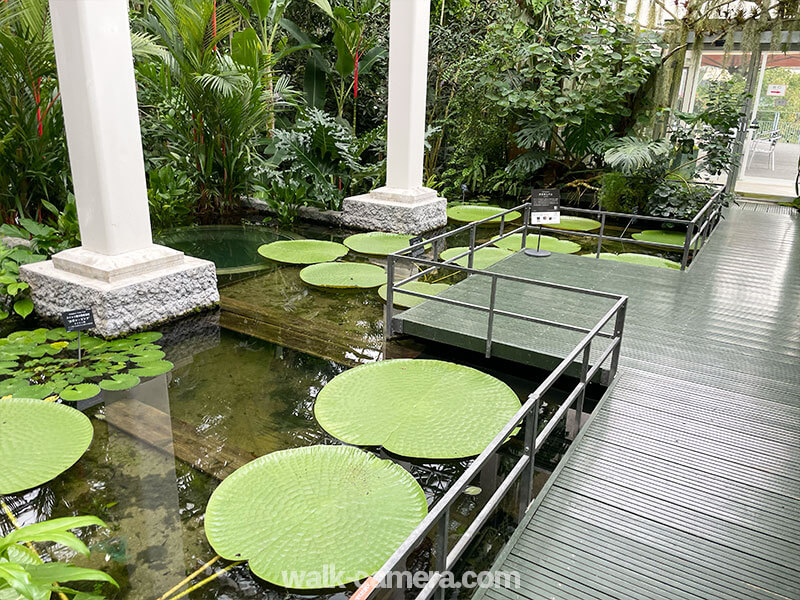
{"x": 23, "y": 574}
{"x": 169, "y": 196}
{"x": 14, "y": 294}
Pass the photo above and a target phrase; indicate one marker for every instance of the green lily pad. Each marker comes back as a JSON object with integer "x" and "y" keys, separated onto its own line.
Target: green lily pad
{"x": 407, "y": 301}
{"x": 59, "y": 333}
{"x": 302, "y": 252}
{"x": 151, "y": 369}
{"x": 38, "y": 441}
{"x": 548, "y": 242}
{"x": 377, "y": 243}
{"x": 575, "y": 224}
{"x": 661, "y": 236}
{"x": 146, "y": 337}
{"x": 81, "y": 391}
{"x": 14, "y": 387}
{"x": 417, "y": 408}
{"x": 314, "y": 517}
{"x": 123, "y": 381}
{"x": 41, "y": 391}
{"x": 484, "y": 258}
{"x": 148, "y": 356}
{"x": 343, "y": 275}
{"x": 468, "y": 213}
{"x": 641, "y": 259}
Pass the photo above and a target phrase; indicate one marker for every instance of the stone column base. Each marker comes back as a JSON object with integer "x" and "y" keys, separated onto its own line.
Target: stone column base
{"x": 125, "y": 294}
{"x": 397, "y": 211}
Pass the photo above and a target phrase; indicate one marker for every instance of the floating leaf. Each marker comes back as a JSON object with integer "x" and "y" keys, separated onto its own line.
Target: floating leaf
{"x": 468, "y": 213}
{"x": 146, "y": 337}
{"x": 417, "y": 408}
{"x": 547, "y": 242}
{"x": 406, "y": 300}
{"x": 377, "y": 243}
{"x": 59, "y": 333}
{"x": 41, "y": 391}
{"x": 14, "y": 386}
{"x": 302, "y": 252}
{"x": 325, "y": 514}
{"x": 343, "y": 275}
{"x": 82, "y": 391}
{"x": 484, "y": 258}
{"x": 38, "y": 441}
{"x": 641, "y": 259}
{"x": 151, "y": 369}
{"x": 575, "y": 224}
{"x": 123, "y": 381}
{"x": 661, "y": 236}
{"x": 149, "y": 356}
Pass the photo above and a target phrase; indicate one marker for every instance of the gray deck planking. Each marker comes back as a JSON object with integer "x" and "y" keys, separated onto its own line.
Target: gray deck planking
{"x": 685, "y": 483}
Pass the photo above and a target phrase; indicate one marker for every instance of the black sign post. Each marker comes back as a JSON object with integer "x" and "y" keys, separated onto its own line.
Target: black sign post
{"x": 78, "y": 320}
{"x": 417, "y": 252}
{"x": 545, "y": 208}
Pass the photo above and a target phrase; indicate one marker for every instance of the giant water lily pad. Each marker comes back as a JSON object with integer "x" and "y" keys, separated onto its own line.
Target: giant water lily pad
{"x": 38, "y": 441}
{"x": 575, "y": 224}
{"x": 549, "y": 243}
{"x": 302, "y": 252}
{"x": 343, "y": 275}
{"x": 314, "y": 517}
{"x": 406, "y": 300}
{"x": 661, "y": 236}
{"x": 641, "y": 259}
{"x": 377, "y": 243}
{"x": 469, "y": 213}
{"x": 418, "y": 408}
{"x": 483, "y": 259}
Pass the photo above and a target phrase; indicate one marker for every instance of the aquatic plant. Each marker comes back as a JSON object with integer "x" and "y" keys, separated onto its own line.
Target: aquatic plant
{"x": 38, "y": 441}
{"x": 483, "y": 259}
{"x": 661, "y": 236}
{"x": 302, "y": 252}
{"x": 406, "y": 300}
{"x": 428, "y": 408}
{"x": 343, "y": 275}
{"x": 641, "y": 259}
{"x": 547, "y": 242}
{"x": 44, "y": 362}
{"x": 377, "y": 243}
{"x": 575, "y": 224}
{"x": 314, "y": 517}
{"x": 467, "y": 213}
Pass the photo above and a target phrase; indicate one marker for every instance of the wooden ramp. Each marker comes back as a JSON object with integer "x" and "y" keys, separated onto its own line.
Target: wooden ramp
{"x": 685, "y": 483}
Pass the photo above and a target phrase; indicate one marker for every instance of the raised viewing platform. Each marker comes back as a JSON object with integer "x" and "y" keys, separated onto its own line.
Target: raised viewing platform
{"x": 686, "y": 481}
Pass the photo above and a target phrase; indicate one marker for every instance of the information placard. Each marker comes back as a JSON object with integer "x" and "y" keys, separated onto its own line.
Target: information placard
{"x": 545, "y": 206}
{"x": 417, "y": 252}
{"x": 79, "y": 319}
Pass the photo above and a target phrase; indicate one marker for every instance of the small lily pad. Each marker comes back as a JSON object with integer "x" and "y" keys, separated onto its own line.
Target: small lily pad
{"x": 302, "y": 252}
{"x": 38, "y": 441}
{"x": 146, "y": 337}
{"x": 314, "y": 517}
{"x": 377, "y": 243}
{"x": 406, "y": 300}
{"x": 421, "y": 408}
{"x": 483, "y": 259}
{"x": 469, "y": 213}
{"x": 575, "y": 224}
{"x": 153, "y": 368}
{"x": 148, "y": 356}
{"x": 547, "y": 242}
{"x": 41, "y": 391}
{"x": 343, "y": 275}
{"x": 81, "y": 391}
{"x": 123, "y": 381}
{"x": 661, "y": 236}
{"x": 641, "y": 259}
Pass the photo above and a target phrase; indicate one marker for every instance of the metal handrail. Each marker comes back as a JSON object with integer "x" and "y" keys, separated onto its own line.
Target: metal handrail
{"x": 523, "y": 469}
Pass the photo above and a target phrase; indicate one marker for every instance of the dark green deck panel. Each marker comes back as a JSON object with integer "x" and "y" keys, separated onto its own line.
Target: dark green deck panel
{"x": 685, "y": 483}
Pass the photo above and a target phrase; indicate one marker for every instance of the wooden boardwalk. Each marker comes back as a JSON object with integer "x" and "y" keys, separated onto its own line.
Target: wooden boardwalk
{"x": 685, "y": 483}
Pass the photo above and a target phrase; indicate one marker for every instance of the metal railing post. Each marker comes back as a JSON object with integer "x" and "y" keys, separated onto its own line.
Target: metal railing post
{"x": 490, "y": 327}
{"x": 587, "y": 351}
{"x": 619, "y": 324}
{"x": 600, "y": 237}
{"x": 389, "y": 310}
{"x": 526, "y": 479}
{"x": 442, "y": 548}
{"x": 472, "y": 233}
{"x": 526, "y": 215}
{"x": 687, "y": 245}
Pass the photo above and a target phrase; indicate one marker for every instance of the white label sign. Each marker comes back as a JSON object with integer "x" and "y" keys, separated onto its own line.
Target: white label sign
{"x": 776, "y": 90}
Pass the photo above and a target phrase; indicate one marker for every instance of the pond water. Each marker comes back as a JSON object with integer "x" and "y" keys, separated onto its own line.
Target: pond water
{"x": 160, "y": 449}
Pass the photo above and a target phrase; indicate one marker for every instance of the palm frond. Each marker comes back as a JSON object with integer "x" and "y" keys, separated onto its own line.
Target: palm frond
{"x": 629, "y": 154}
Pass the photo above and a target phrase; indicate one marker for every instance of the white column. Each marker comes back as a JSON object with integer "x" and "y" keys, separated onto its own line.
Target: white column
{"x": 98, "y": 93}
{"x": 403, "y": 205}
{"x": 408, "y": 86}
